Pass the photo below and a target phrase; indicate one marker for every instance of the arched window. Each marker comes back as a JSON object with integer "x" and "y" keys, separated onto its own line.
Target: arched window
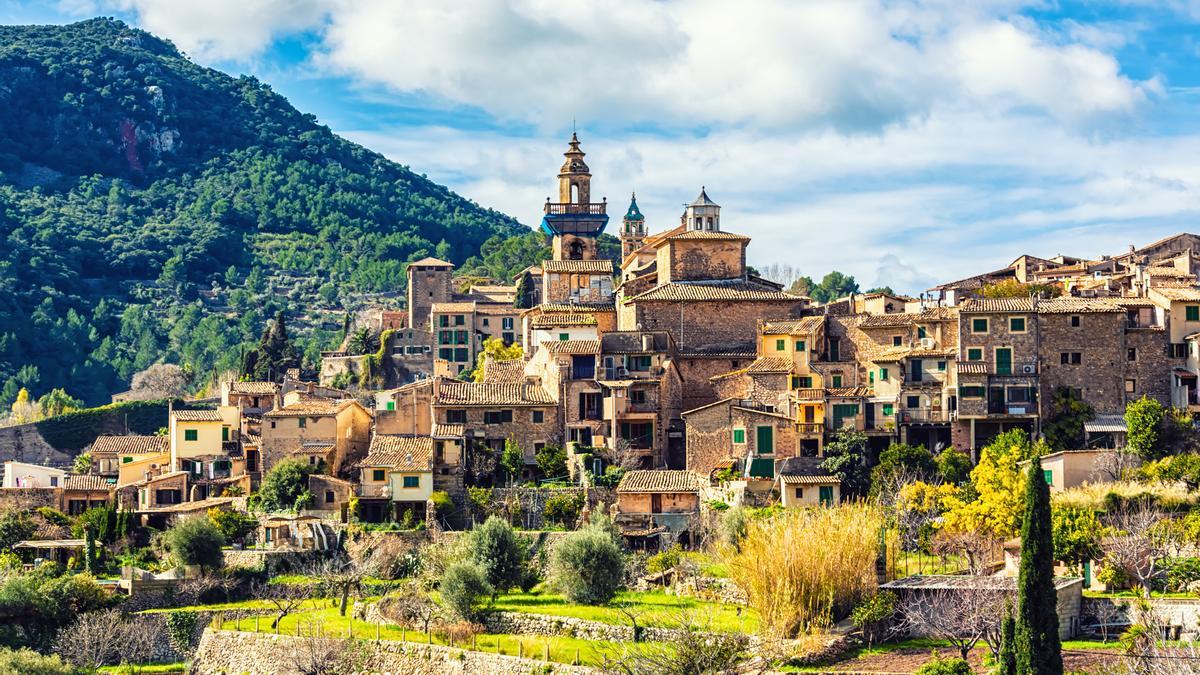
{"x": 575, "y": 250}
{"x": 574, "y": 193}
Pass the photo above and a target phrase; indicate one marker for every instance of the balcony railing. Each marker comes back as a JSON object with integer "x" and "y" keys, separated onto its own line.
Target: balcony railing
{"x": 623, "y": 373}
{"x": 810, "y": 427}
{"x": 919, "y": 415}
{"x": 374, "y": 491}
{"x": 810, "y": 394}
{"x": 554, "y": 208}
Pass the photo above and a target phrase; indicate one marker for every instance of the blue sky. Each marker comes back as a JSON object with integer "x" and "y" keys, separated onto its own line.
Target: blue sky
{"x": 905, "y": 142}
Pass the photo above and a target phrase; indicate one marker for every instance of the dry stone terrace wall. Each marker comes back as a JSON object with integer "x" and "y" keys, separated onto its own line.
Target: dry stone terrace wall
{"x": 232, "y": 652}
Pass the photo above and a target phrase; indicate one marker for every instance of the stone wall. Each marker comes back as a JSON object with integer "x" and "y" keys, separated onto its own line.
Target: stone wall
{"x": 1100, "y": 376}
{"x": 1181, "y": 612}
{"x": 1153, "y": 365}
{"x": 254, "y": 653}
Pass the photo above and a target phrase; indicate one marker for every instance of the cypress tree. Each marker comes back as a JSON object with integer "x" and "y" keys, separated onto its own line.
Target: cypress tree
{"x": 1007, "y": 664}
{"x": 1037, "y": 645}
{"x": 524, "y": 295}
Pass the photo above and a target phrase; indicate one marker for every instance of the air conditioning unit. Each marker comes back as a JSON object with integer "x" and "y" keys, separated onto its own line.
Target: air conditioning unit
{"x": 927, "y": 343}
{"x": 1028, "y": 369}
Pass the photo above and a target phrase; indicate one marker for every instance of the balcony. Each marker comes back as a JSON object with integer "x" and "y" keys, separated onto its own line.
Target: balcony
{"x": 374, "y": 491}
{"x": 623, "y": 373}
{"x": 559, "y": 209}
{"x": 924, "y": 416}
{"x": 810, "y": 394}
{"x": 810, "y": 428}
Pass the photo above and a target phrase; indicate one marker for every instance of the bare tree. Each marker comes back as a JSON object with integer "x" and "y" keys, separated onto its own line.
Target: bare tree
{"x": 978, "y": 548}
{"x": 1146, "y": 653}
{"x": 411, "y": 606}
{"x": 325, "y": 656}
{"x": 160, "y": 380}
{"x": 962, "y": 616}
{"x": 1116, "y": 464}
{"x": 341, "y": 576}
{"x": 1141, "y": 537}
{"x": 624, "y": 455}
{"x": 285, "y": 598}
{"x": 1106, "y": 613}
{"x": 695, "y": 649}
{"x": 105, "y": 637}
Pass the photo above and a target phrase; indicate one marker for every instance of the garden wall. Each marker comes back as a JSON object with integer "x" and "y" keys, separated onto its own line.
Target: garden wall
{"x": 57, "y": 440}
{"x": 223, "y": 651}
{"x": 1181, "y": 612}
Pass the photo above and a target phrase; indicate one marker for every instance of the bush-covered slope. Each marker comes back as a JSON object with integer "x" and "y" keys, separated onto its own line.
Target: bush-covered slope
{"x": 151, "y": 208}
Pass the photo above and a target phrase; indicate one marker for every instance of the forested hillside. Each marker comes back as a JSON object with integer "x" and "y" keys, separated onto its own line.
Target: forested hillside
{"x": 154, "y": 209}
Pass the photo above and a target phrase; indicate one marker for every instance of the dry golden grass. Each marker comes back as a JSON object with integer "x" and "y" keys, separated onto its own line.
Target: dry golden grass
{"x": 802, "y": 567}
{"x": 1091, "y": 496}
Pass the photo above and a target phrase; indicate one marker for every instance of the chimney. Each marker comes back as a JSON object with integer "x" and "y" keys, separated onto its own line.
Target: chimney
{"x": 647, "y": 342}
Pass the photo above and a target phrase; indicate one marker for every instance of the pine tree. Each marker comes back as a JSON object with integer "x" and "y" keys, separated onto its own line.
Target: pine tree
{"x": 1037, "y": 645}
{"x": 1007, "y": 663}
{"x": 524, "y": 296}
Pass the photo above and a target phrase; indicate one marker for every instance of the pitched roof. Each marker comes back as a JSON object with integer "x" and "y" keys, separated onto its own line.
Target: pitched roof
{"x": 770, "y": 364}
{"x": 310, "y": 408}
{"x": 972, "y": 368}
{"x": 1178, "y": 294}
{"x": 452, "y": 307}
{"x": 431, "y": 262}
{"x": 603, "y": 266}
{"x": 400, "y": 453}
{"x": 1168, "y": 271}
{"x": 112, "y": 446}
{"x": 996, "y": 305}
{"x": 563, "y": 320}
{"x": 196, "y": 415}
{"x": 724, "y": 291}
{"x": 804, "y": 326}
{"x": 847, "y": 392}
{"x": 87, "y": 481}
{"x": 1069, "y": 305}
{"x": 703, "y": 199}
{"x": 449, "y": 430}
{"x": 503, "y": 371}
{"x": 454, "y": 392}
{"x": 572, "y": 346}
{"x": 807, "y": 479}
{"x": 705, "y": 234}
{"x": 574, "y": 308}
{"x": 659, "y": 480}
{"x": 254, "y": 388}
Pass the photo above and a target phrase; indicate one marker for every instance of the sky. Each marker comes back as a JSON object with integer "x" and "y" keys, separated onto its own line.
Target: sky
{"x": 905, "y": 142}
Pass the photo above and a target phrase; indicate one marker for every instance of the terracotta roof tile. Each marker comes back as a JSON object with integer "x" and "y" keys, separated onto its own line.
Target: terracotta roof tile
{"x": 770, "y": 364}
{"x": 400, "y": 453}
{"x": 449, "y": 430}
{"x": 454, "y": 392}
{"x": 196, "y": 415}
{"x": 578, "y": 267}
{"x": 312, "y": 408}
{"x": 807, "y": 479}
{"x": 572, "y": 346}
{"x": 1168, "y": 271}
{"x": 571, "y": 308}
{"x": 804, "y": 326}
{"x": 253, "y": 388}
{"x": 723, "y": 291}
{"x": 87, "y": 481}
{"x": 848, "y": 392}
{"x": 112, "y": 446}
{"x": 1178, "y": 294}
{"x": 972, "y": 368}
{"x": 431, "y": 262}
{"x": 659, "y": 480}
{"x": 704, "y": 234}
{"x": 1078, "y": 306}
{"x": 452, "y": 307}
{"x": 562, "y": 320}
{"x": 512, "y": 370}
{"x": 996, "y": 305}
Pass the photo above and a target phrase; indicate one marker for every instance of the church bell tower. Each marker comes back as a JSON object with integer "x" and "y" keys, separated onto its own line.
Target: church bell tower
{"x": 574, "y": 220}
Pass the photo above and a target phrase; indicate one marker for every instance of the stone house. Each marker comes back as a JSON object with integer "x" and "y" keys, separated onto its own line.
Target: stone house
{"x": 331, "y": 496}
{"x": 111, "y": 453}
{"x": 429, "y": 283}
{"x": 1068, "y": 589}
{"x": 1071, "y": 468}
{"x": 70, "y": 493}
{"x": 204, "y": 443}
{"x": 492, "y": 412}
{"x": 658, "y": 507}
{"x": 396, "y": 476}
{"x": 747, "y": 435}
{"x": 251, "y": 398}
{"x": 577, "y": 281}
{"x": 798, "y": 490}
{"x": 1082, "y": 347}
{"x": 338, "y": 431}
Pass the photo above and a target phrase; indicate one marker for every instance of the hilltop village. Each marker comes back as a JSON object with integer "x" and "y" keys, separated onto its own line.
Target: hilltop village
{"x": 664, "y": 409}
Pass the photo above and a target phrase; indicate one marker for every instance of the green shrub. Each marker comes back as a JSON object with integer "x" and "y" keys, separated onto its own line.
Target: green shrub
{"x": 588, "y": 567}
{"x": 285, "y": 486}
{"x": 464, "y": 587}
{"x": 442, "y": 502}
{"x": 234, "y": 525}
{"x": 499, "y": 552}
{"x": 54, "y": 516}
{"x": 1180, "y": 573}
{"x": 195, "y": 541}
{"x": 664, "y": 560}
{"x": 15, "y": 526}
{"x": 940, "y": 666}
{"x": 181, "y": 630}
{"x": 732, "y": 526}
{"x": 563, "y": 509}
{"x": 873, "y": 614}
{"x": 29, "y": 662}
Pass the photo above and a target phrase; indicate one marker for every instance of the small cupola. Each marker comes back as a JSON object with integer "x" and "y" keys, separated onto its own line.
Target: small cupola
{"x": 703, "y": 214}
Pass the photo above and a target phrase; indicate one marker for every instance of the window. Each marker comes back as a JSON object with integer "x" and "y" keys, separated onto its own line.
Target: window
{"x": 883, "y": 374}
{"x": 975, "y": 354}
{"x": 1016, "y": 324}
{"x": 485, "y": 321}
{"x": 1004, "y": 360}
{"x": 445, "y": 337}
{"x": 537, "y": 416}
{"x": 920, "y": 332}
{"x": 1130, "y": 386}
{"x": 224, "y": 433}
{"x": 888, "y": 409}
{"x": 638, "y": 434}
{"x": 941, "y": 366}
{"x": 1070, "y": 358}
{"x": 1019, "y": 395}
{"x": 564, "y": 337}
{"x": 897, "y": 340}
{"x": 412, "y": 481}
{"x": 508, "y": 338}
{"x": 1075, "y": 321}
{"x": 979, "y": 325}
{"x": 459, "y": 320}
{"x": 329, "y": 497}
{"x": 837, "y": 380}
{"x": 802, "y": 382}
{"x": 506, "y": 323}
{"x": 446, "y": 353}
{"x": 456, "y": 417}
{"x": 780, "y": 345}
{"x": 461, "y": 354}
{"x": 461, "y": 337}
{"x": 765, "y": 440}
{"x": 191, "y": 435}
{"x": 303, "y": 422}
{"x": 497, "y": 416}
{"x": 916, "y": 369}
{"x": 1191, "y": 313}
{"x": 637, "y": 396}
{"x": 1179, "y": 350}
{"x": 638, "y": 363}
{"x": 443, "y": 320}
{"x": 391, "y": 405}
{"x": 835, "y": 349}
{"x": 739, "y": 436}
{"x": 972, "y": 391}
{"x": 800, "y": 345}
{"x": 1131, "y": 354}
{"x": 53, "y": 481}
{"x": 911, "y": 402}
{"x": 1048, "y": 474}
{"x": 799, "y": 493}
{"x": 378, "y": 475}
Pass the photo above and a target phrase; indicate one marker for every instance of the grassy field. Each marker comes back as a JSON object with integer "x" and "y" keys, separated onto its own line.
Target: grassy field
{"x": 326, "y": 621}
{"x": 650, "y": 608}
{"x": 149, "y": 669}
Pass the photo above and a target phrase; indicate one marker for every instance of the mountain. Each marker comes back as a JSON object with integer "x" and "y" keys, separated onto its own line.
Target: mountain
{"x": 153, "y": 209}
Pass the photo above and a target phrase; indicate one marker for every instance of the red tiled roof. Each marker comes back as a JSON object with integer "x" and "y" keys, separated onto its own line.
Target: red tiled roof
{"x": 659, "y": 480}
{"x": 454, "y": 392}
{"x": 578, "y": 266}
{"x": 112, "y": 446}
{"x": 804, "y": 326}
{"x": 996, "y": 305}
{"x": 734, "y": 291}
{"x": 253, "y": 388}
{"x": 316, "y": 407}
{"x": 705, "y": 234}
{"x": 770, "y": 364}
{"x": 572, "y": 346}
{"x": 400, "y": 453}
{"x": 431, "y": 262}
{"x": 558, "y": 320}
{"x": 196, "y": 415}
{"x": 87, "y": 481}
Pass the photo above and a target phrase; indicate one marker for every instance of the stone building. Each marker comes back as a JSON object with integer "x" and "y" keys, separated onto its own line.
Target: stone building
{"x": 656, "y": 508}
{"x": 429, "y": 282}
{"x": 333, "y": 434}
{"x": 744, "y": 435}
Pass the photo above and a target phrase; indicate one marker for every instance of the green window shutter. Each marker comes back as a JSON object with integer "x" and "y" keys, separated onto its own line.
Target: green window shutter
{"x": 378, "y": 475}
{"x": 979, "y": 325}
{"x": 303, "y": 421}
{"x": 391, "y": 405}
{"x": 837, "y": 380}
{"x": 871, "y": 376}
{"x": 1016, "y": 324}
{"x": 1004, "y": 361}
{"x": 941, "y": 366}
{"x": 806, "y": 382}
{"x": 412, "y": 481}
{"x": 1049, "y": 476}
{"x": 800, "y": 345}
{"x": 920, "y": 332}
{"x": 191, "y": 435}
{"x": 883, "y": 374}
{"x": 975, "y": 354}
{"x": 739, "y": 436}
{"x": 779, "y": 345}
{"x": 564, "y": 336}
{"x": 1192, "y": 312}
{"x": 224, "y": 433}
{"x": 765, "y": 440}
{"x": 826, "y": 495}
{"x": 888, "y": 409}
